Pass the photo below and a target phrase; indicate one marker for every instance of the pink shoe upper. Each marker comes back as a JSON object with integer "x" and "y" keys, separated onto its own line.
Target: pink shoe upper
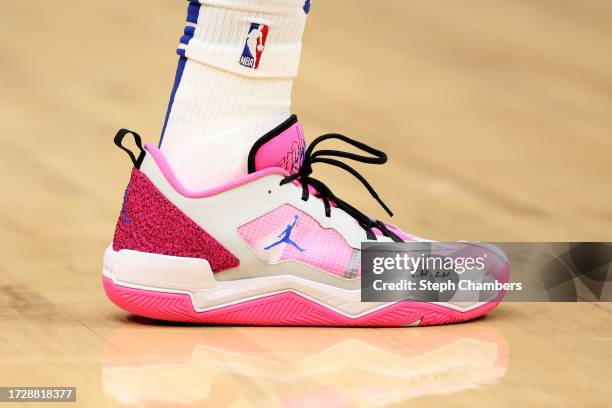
{"x": 149, "y": 222}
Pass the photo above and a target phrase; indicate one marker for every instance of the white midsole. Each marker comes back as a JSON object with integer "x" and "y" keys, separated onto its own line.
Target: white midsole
{"x": 194, "y": 277}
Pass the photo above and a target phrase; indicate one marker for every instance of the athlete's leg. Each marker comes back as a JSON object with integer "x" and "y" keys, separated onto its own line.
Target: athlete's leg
{"x": 274, "y": 245}
{"x": 296, "y": 246}
{"x": 220, "y": 104}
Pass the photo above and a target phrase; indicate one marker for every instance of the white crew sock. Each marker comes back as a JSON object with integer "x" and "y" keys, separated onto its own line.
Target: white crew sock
{"x": 223, "y": 100}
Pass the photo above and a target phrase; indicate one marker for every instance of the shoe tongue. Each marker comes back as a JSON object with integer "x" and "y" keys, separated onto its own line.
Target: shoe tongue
{"x": 284, "y": 146}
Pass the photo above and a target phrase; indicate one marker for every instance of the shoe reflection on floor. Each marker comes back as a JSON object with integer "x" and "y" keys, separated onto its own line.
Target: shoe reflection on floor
{"x": 147, "y": 362}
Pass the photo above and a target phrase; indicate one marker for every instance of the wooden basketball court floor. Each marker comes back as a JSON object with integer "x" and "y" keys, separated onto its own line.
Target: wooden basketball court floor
{"x": 497, "y": 116}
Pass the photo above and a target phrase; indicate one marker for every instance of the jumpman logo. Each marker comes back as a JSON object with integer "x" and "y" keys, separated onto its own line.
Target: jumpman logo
{"x": 285, "y": 237}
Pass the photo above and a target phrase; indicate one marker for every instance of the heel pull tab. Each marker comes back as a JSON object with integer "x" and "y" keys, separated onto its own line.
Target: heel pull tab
{"x": 119, "y": 140}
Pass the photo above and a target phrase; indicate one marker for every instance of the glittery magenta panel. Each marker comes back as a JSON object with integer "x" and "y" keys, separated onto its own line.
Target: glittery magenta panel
{"x": 149, "y": 222}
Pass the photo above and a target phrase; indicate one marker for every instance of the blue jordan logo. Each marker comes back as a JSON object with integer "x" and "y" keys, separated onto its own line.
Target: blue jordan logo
{"x": 307, "y": 6}
{"x": 285, "y": 237}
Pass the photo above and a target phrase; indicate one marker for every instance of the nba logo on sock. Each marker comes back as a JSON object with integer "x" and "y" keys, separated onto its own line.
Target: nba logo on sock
{"x": 254, "y": 45}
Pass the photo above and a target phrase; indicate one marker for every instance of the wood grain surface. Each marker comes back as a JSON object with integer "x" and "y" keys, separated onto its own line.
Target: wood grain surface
{"x": 497, "y": 116}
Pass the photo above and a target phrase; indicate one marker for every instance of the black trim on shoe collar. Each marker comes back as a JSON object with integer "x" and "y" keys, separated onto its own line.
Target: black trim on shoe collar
{"x": 266, "y": 138}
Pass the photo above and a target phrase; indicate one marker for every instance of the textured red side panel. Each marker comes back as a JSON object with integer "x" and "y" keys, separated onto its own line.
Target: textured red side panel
{"x": 149, "y": 222}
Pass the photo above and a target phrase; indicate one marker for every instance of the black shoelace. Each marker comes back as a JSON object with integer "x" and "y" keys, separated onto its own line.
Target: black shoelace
{"x": 327, "y": 196}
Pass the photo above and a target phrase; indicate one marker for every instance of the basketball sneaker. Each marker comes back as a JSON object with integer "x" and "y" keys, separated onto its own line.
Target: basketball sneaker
{"x": 275, "y": 247}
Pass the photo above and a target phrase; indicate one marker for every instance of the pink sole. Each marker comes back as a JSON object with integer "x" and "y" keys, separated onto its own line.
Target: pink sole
{"x": 285, "y": 309}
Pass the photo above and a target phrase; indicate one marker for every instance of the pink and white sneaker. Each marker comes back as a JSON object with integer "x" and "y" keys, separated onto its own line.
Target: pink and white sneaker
{"x": 275, "y": 247}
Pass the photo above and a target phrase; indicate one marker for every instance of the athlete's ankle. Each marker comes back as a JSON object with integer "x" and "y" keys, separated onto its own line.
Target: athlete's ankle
{"x": 238, "y": 61}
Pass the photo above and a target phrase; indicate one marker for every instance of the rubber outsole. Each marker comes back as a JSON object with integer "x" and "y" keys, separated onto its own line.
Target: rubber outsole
{"x": 283, "y": 309}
